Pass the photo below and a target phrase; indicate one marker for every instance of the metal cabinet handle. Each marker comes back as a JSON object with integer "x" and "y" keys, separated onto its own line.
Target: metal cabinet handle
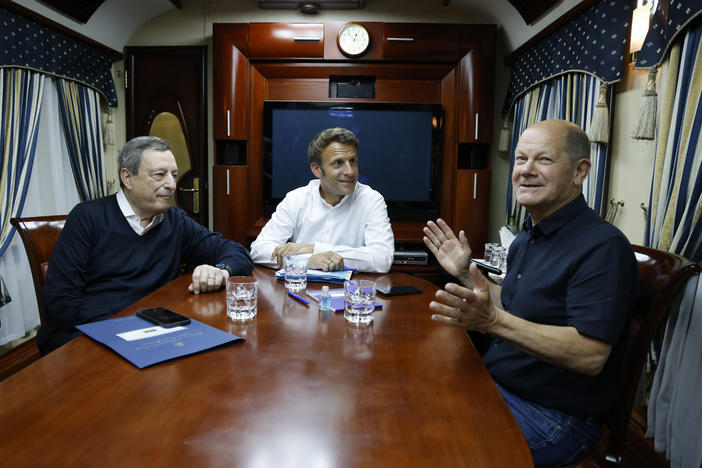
{"x": 475, "y": 186}
{"x": 188, "y": 189}
{"x": 400, "y": 39}
{"x": 229, "y": 122}
{"x": 307, "y": 39}
{"x": 477, "y": 119}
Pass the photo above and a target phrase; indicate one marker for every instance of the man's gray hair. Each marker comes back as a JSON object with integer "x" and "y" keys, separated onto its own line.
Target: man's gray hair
{"x": 130, "y": 156}
{"x": 326, "y": 138}
{"x": 576, "y": 144}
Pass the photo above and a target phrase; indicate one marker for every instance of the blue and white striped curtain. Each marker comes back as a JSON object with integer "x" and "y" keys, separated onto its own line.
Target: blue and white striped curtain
{"x": 570, "y": 97}
{"x": 674, "y": 223}
{"x": 20, "y": 103}
{"x": 79, "y": 107}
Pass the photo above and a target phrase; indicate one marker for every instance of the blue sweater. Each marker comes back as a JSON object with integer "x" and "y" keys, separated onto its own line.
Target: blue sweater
{"x": 100, "y": 265}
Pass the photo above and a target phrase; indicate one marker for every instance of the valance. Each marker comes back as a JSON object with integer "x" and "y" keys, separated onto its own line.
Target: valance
{"x": 669, "y": 20}
{"x": 26, "y": 44}
{"x": 592, "y": 43}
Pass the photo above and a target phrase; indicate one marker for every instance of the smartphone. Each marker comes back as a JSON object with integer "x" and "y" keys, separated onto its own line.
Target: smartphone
{"x": 163, "y": 317}
{"x": 397, "y": 290}
{"x": 486, "y": 268}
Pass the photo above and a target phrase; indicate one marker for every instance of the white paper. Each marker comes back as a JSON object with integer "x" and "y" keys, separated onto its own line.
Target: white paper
{"x": 149, "y": 332}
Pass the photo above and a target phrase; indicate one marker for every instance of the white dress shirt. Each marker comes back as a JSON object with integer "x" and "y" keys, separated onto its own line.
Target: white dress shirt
{"x": 357, "y": 228}
{"x": 132, "y": 218}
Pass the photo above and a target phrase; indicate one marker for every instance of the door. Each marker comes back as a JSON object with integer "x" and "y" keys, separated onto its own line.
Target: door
{"x": 166, "y": 97}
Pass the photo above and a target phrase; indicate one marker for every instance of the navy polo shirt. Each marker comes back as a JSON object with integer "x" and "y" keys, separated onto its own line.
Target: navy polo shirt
{"x": 572, "y": 269}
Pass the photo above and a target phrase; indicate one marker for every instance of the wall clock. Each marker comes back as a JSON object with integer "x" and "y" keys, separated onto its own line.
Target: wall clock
{"x": 353, "y": 40}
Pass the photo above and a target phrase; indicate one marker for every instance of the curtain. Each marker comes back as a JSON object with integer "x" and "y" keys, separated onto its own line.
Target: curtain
{"x": 20, "y": 98}
{"x": 674, "y": 224}
{"x": 51, "y": 191}
{"x": 570, "y": 97}
{"x": 591, "y": 43}
{"x": 80, "y": 118}
{"x": 29, "y": 45}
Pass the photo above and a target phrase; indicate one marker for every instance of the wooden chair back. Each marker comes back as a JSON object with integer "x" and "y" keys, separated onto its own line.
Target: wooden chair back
{"x": 662, "y": 276}
{"x": 39, "y": 235}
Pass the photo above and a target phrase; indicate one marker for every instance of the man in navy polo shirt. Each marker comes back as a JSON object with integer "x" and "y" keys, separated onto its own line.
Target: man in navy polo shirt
{"x": 571, "y": 281}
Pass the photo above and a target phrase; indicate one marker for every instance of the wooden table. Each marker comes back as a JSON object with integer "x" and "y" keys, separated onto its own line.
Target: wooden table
{"x": 303, "y": 390}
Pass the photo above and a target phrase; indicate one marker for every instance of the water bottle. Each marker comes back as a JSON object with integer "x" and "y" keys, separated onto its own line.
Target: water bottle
{"x": 325, "y": 299}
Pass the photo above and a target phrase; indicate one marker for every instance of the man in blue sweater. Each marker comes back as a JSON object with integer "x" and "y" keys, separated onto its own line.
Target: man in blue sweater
{"x": 115, "y": 250}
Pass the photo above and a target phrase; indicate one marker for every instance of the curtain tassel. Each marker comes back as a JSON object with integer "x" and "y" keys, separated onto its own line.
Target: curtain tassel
{"x": 599, "y": 126}
{"x": 645, "y": 128}
{"x": 503, "y": 142}
{"x": 109, "y": 133}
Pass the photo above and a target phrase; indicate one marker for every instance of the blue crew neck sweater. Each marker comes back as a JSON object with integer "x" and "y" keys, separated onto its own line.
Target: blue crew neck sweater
{"x": 100, "y": 265}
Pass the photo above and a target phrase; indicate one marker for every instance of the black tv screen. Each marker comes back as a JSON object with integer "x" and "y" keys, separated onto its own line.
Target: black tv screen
{"x": 399, "y": 150}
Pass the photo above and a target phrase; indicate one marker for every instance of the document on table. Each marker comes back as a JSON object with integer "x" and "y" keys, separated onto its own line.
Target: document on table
{"x": 337, "y": 298}
{"x": 338, "y": 276}
{"x": 144, "y": 344}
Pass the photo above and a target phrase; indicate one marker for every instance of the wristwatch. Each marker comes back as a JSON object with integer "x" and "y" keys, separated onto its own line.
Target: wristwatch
{"x": 224, "y": 266}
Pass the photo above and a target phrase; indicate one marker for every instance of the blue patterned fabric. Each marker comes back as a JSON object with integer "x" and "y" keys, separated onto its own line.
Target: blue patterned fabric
{"x": 675, "y": 218}
{"x": 592, "y": 43}
{"x": 20, "y": 108}
{"x": 26, "y": 44}
{"x": 79, "y": 107}
{"x": 670, "y": 19}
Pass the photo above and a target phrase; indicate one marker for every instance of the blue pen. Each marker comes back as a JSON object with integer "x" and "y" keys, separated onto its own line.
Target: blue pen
{"x": 299, "y": 298}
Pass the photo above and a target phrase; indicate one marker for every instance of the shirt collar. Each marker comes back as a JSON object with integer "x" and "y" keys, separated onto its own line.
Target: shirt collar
{"x": 316, "y": 183}
{"x": 557, "y": 219}
{"x": 132, "y": 218}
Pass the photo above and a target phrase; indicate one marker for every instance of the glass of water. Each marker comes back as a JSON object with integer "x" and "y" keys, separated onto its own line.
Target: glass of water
{"x": 242, "y": 297}
{"x": 296, "y": 272}
{"x": 359, "y": 301}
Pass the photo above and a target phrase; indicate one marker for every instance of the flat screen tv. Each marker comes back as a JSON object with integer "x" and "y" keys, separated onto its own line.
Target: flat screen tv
{"x": 399, "y": 150}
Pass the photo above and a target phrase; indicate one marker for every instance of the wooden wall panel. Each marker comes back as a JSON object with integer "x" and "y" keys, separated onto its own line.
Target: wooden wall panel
{"x": 229, "y": 197}
{"x": 472, "y": 208}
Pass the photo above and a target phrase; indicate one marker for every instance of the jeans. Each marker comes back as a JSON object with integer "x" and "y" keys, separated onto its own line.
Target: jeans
{"x": 554, "y": 437}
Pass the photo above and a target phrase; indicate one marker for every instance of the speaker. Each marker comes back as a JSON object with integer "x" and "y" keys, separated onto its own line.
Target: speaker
{"x": 352, "y": 87}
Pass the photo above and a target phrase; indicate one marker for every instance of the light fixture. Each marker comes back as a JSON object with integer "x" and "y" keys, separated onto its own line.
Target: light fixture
{"x": 308, "y": 8}
{"x": 639, "y": 28}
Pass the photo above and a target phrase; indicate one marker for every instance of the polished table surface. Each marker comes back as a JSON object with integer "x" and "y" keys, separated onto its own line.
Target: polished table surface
{"x": 304, "y": 390}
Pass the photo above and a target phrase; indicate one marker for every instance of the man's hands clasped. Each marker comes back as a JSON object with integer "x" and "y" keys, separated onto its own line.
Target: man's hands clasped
{"x": 325, "y": 261}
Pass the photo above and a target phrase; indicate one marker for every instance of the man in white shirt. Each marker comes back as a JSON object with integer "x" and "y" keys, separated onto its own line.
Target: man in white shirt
{"x": 336, "y": 220}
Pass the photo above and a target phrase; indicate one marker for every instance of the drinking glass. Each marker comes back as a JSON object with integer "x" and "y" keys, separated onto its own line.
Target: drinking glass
{"x": 359, "y": 301}
{"x": 242, "y": 297}
{"x": 295, "y": 272}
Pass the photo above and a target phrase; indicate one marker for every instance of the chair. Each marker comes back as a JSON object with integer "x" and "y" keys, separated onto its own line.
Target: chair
{"x": 662, "y": 275}
{"x": 39, "y": 235}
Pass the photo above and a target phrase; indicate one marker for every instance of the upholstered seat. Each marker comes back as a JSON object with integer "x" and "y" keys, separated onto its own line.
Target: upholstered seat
{"x": 39, "y": 235}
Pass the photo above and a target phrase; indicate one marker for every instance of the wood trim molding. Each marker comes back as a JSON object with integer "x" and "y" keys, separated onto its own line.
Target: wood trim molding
{"x": 568, "y": 16}
{"x": 58, "y": 27}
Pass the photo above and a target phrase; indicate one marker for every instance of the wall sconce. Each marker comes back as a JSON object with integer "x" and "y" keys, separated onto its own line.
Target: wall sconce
{"x": 639, "y": 27}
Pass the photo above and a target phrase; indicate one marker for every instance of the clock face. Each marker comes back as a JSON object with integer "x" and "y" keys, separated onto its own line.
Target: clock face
{"x": 353, "y": 40}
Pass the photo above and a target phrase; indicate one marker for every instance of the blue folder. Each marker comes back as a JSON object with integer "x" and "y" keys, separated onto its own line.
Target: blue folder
{"x": 148, "y": 351}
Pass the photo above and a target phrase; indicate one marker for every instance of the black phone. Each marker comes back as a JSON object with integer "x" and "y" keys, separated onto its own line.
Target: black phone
{"x": 486, "y": 267}
{"x": 397, "y": 290}
{"x": 163, "y": 317}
